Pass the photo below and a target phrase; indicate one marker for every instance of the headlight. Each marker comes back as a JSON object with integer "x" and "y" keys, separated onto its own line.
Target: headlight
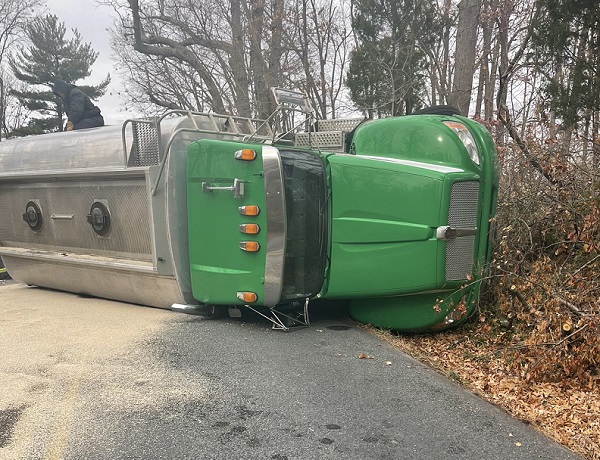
{"x": 466, "y": 138}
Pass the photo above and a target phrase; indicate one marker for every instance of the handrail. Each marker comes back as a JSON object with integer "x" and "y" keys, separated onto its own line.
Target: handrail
{"x": 124, "y": 139}
{"x": 157, "y": 122}
{"x": 168, "y": 149}
{"x": 213, "y": 119}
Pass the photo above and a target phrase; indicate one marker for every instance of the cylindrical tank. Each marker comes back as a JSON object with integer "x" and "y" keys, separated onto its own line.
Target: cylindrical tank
{"x": 102, "y": 211}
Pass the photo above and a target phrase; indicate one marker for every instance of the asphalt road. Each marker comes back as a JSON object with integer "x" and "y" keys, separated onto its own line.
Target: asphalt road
{"x": 84, "y": 378}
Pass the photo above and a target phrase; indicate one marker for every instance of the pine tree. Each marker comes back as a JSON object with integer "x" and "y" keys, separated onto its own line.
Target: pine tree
{"x": 366, "y": 80}
{"x": 386, "y": 69}
{"x": 566, "y": 38}
{"x": 51, "y": 57}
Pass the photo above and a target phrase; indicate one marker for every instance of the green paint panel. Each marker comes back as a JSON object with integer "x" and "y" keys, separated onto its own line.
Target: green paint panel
{"x": 414, "y": 263}
{"x": 411, "y": 313}
{"x": 383, "y": 220}
{"x": 419, "y": 138}
{"x": 219, "y": 268}
{"x": 361, "y": 230}
{"x": 365, "y": 270}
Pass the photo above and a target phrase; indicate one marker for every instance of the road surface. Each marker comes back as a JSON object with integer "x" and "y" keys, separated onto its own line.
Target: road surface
{"x": 86, "y": 378}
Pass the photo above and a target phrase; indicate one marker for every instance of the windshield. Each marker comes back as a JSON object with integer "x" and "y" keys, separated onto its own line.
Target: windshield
{"x": 305, "y": 197}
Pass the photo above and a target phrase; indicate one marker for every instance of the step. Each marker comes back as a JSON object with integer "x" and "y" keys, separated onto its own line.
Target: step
{"x": 326, "y": 140}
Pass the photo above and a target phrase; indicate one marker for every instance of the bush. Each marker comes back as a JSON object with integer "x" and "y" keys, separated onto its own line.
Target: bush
{"x": 546, "y": 264}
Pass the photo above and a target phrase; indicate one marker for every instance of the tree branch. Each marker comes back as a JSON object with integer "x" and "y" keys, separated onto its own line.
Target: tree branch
{"x": 174, "y": 50}
{"x": 504, "y": 113}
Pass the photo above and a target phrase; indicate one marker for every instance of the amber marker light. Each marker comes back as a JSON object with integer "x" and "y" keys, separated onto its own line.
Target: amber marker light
{"x": 245, "y": 155}
{"x": 250, "y": 229}
{"x": 247, "y": 297}
{"x": 249, "y": 246}
{"x": 250, "y": 210}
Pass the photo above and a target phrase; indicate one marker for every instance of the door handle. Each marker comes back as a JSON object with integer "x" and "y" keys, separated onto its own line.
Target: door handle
{"x": 237, "y": 188}
{"x": 449, "y": 233}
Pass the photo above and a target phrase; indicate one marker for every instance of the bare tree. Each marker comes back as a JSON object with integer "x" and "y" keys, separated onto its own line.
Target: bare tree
{"x": 317, "y": 36}
{"x": 225, "y": 56}
{"x": 228, "y": 53}
{"x": 487, "y": 61}
{"x": 439, "y": 55}
{"x": 512, "y": 54}
{"x": 160, "y": 30}
{"x": 14, "y": 114}
{"x": 155, "y": 83}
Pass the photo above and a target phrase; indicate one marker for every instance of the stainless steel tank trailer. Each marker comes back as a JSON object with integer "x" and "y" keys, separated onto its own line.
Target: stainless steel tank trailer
{"x": 202, "y": 212}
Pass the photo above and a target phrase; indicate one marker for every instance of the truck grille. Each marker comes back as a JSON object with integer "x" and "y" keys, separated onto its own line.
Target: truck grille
{"x": 460, "y": 251}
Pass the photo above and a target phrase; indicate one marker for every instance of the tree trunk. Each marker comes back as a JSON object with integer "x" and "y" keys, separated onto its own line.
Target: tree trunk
{"x": 238, "y": 63}
{"x": 304, "y": 57}
{"x": 257, "y": 61}
{"x": 274, "y": 61}
{"x": 503, "y": 68}
{"x": 596, "y": 142}
{"x": 445, "y": 79}
{"x": 466, "y": 42}
{"x": 486, "y": 89}
{"x": 3, "y": 129}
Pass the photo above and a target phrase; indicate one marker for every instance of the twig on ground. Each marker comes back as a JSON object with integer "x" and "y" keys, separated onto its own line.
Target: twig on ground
{"x": 515, "y": 293}
{"x": 532, "y": 368}
{"x": 572, "y": 307}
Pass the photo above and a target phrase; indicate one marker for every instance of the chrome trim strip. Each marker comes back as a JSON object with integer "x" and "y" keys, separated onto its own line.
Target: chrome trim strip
{"x": 39, "y": 176}
{"x": 62, "y": 216}
{"x": 276, "y": 225}
{"x": 416, "y": 164}
{"x": 79, "y": 260}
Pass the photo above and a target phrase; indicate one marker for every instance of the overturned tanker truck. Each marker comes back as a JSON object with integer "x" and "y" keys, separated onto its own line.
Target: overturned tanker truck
{"x": 207, "y": 213}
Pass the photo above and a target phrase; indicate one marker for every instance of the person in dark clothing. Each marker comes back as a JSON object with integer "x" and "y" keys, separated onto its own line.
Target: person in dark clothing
{"x": 80, "y": 110}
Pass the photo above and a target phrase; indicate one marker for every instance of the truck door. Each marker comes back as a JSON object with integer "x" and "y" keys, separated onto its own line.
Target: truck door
{"x": 236, "y": 223}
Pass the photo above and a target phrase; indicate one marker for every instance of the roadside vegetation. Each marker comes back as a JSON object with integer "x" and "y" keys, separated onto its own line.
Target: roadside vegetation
{"x": 533, "y": 346}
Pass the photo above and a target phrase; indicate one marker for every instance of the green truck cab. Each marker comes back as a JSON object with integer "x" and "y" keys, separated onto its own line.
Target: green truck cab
{"x": 201, "y": 212}
{"x": 399, "y": 224}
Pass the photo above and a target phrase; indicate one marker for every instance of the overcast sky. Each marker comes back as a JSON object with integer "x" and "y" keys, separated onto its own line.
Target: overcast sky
{"x": 93, "y": 21}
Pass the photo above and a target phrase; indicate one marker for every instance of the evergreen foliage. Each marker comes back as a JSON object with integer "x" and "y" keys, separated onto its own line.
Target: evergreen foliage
{"x": 51, "y": 56}
{"x": 566, "y": 39}
{"x": 386, "y": 73}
